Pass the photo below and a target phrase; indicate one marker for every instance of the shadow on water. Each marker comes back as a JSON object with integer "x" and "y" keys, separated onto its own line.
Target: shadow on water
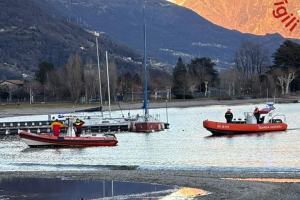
{"x": 45, "y": 148}
{"x": 60, "y": 189}
{"x": 241, "y": 135}
{"x": 78, "y": 166}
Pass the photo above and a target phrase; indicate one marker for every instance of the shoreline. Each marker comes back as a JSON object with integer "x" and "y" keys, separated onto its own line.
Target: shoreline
{"x": 214, "y": 182}
{"x": 52, "y": 108}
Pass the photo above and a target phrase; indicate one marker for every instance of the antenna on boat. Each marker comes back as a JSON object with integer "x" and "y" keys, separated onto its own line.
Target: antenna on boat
{"x": 145, "y": 66}
{"x": 167, "y": 110}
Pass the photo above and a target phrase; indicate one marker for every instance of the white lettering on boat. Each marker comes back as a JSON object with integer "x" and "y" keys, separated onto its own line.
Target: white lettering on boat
{"x": 222, "y": 126}
{"x": 268, "y": 127}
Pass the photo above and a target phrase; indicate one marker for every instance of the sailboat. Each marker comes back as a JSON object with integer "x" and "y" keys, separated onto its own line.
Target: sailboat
{"x": 146, "y": 123}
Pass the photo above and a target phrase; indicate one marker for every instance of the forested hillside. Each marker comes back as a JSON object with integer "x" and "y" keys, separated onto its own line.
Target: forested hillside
{"x": 29, "y": 35}
{"x": 172, "y": 31}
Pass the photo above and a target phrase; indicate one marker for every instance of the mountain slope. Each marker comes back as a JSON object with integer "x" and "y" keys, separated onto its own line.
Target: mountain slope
{"x": 172, "y": 31}
{"x": 252, "y": 16}
{"x": 29, "y": 36}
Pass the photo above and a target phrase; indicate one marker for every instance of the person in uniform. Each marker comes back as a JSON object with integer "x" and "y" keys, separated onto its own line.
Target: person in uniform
{"x": 256, "y": 113}
{"x": 78, "y": 125}
{"x": 228, "y": 115}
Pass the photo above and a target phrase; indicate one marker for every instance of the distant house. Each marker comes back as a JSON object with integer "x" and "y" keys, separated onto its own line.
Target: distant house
{"x": 12, "y": 83}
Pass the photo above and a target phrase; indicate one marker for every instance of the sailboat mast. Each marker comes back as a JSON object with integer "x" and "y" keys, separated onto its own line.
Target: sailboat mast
{"x": 108, "y": 90}
{"x": 145, "y": 66}
{"x": 99, "y": 72}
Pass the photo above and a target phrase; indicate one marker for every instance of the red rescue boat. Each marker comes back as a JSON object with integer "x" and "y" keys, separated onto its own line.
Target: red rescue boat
{"x": 266, "y": 123}
{"x": 219, "y": 128}
{"x": 34, "y": 140}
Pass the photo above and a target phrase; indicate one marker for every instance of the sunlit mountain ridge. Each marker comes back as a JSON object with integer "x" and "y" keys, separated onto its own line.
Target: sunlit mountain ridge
{"x": 252, "y": 16}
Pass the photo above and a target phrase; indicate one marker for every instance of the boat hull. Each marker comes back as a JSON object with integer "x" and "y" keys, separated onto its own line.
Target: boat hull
{"x": 34, "y": 140}
{"x": 219, "y": 128}
{"x": 146, "y": 126}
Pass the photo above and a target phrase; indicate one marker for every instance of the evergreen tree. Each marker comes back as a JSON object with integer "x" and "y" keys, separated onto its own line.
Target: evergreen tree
{"x": 44, "y": 69}
{"x": 287, "y": 55}
{"x": 180, "y": 80}
{"x": 201, "y": 70}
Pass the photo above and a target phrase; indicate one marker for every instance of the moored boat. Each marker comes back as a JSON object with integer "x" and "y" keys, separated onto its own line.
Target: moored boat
{"x": 266, "y": 123}
{"x": 34, "y": 140}
{"x": 146, "y": 123}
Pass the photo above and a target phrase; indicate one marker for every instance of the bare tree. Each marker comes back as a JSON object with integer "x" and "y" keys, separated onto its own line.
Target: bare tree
{"x": 90, "y": 81}
{"x": 112, "y": 69}
{"x": 74, "y": 77}
{"x": 251, "y": 59}
{"x": 33, "y": 88}
{"x": 206, "y": 87}
{"x": 281, "y": 83}
{"x": 284, "y": 78}
{"x": 288, "y": 79}
{"x": 53, "y": 84}
{"x": 10, "y": 88}
{"x": 231, "y": 80}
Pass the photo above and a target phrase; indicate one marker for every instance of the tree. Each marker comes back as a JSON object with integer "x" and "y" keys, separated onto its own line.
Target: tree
{"x": 10, "y": 88}
{"x": 33, "y": 88}
{"x": 90, "y": 80}
{"x": 180, "y": 80}
{"x": 202, "y": 71}
{"x": 287, "y": 62}
{"x": 125, "y": 83}
{"x": 74, "y": 77}
{"x": 112, "y": 69}
{"x": 252, "y": 60}
{"x": 43, "y": 71}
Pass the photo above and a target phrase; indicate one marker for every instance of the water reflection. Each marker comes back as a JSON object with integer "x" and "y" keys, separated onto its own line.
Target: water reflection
{"x": 60, "y": 189}
{"x": 242, "y": 135}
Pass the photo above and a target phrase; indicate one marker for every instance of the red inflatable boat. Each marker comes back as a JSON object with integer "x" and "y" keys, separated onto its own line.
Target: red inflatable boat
{"x": 266, "y": 123}
{"x": 34, "y": 140}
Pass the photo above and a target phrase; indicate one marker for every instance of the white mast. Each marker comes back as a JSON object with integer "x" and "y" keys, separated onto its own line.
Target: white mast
{"x": 100, "y": 90}
{"x": 108, "y": 90}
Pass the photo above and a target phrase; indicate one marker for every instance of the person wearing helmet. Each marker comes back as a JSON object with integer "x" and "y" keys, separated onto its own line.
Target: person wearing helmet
{"x": 78, "y": 127}
{"x": 228, "y": 115}
{"x": 256, "y": 113}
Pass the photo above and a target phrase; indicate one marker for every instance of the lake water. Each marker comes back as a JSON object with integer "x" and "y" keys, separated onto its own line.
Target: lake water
{"x": 186, "y": 145}
{"x": 61, "y": 189}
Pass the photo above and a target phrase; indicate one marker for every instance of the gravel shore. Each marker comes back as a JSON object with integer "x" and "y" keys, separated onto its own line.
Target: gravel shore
{"x": 210, "y": 181}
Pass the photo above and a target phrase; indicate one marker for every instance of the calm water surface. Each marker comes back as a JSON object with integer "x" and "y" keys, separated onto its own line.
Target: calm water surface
{"x": 58, "y": 189}
{"x": 186, "y": 145}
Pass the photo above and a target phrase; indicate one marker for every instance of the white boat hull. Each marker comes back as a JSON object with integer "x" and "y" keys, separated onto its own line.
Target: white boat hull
{"x": 37, "y": 143}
